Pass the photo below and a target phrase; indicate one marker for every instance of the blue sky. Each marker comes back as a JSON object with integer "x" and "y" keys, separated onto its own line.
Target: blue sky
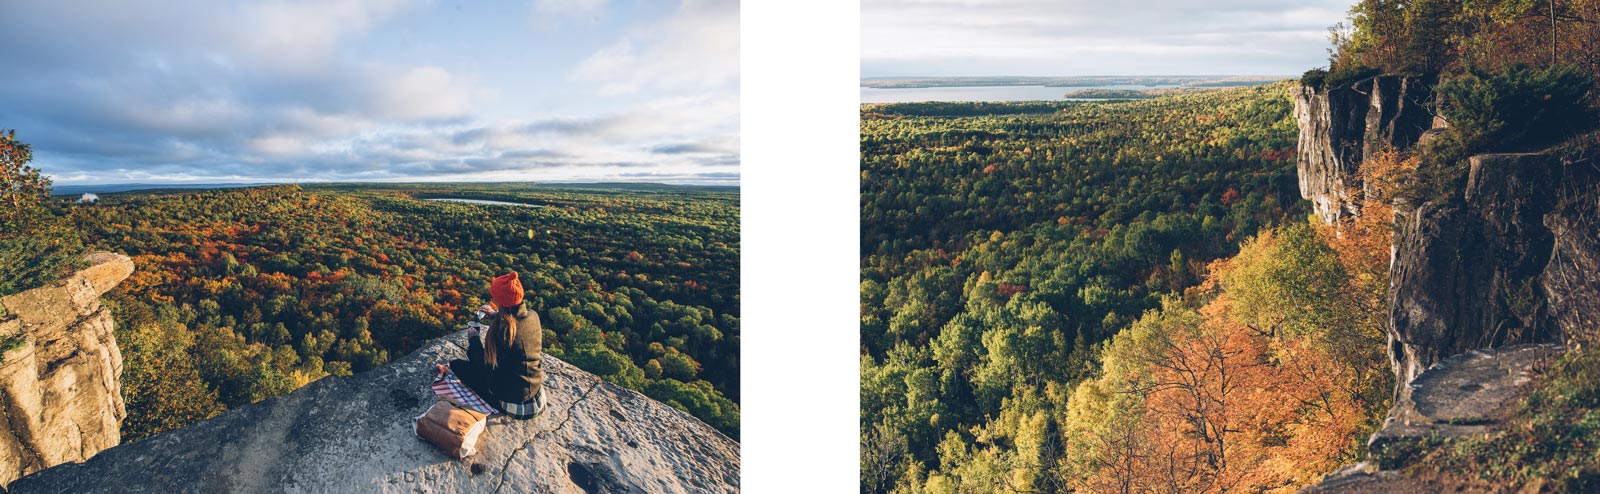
{"x": 1095, "y": 37}
{"x": 374, "y": 90}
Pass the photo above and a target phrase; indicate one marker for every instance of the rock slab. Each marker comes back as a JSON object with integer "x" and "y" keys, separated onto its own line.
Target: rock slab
{"x": 1460, "y": 396}
{"x": 354, "y": 434}
{"x": 60, "y": 389}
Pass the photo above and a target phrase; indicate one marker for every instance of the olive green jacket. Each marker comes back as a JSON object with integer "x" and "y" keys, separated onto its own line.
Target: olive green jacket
{"x": 520, "y": 374}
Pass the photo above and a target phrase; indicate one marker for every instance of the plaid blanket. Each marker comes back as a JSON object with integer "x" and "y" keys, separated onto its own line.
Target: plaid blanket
{"x": 449, "y": 387}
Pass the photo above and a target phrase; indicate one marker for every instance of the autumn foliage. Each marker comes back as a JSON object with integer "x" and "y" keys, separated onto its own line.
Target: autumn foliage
{"x": 245, "y": 294}
{"x": 1225, "y": 393}
{"x": 1433, "y": 36}
{"x": 1263, "y": 378}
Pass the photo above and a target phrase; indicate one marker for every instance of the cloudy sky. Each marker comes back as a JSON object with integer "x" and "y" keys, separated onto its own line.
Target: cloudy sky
{"x": 1095, "y": 37}
{"x": 111, "y": 91}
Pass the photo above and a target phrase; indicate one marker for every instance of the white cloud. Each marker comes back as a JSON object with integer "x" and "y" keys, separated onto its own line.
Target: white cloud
{"x": 355, "y": 90}
{"x": 688, "y": 128}
{"x": 420, "y": 93}
{"x": 303, "y": 35}
{"x": 308, "y": 122}
{"x": 277, "y": 145}
{"x": 695, "y": 47}
{"x": 1046, "y": 37}
{"x": 544, "y": 9}
{"x": 186, "y": 116}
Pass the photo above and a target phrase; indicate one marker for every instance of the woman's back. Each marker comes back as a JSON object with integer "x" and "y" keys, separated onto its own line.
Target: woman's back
{"x": 519, "y": 374}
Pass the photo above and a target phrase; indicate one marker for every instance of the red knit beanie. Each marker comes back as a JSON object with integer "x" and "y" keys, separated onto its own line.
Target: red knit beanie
{"x": 506, "y": 290}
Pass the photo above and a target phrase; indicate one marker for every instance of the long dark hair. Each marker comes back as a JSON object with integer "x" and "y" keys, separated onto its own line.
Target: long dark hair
{"x": 504, "y": 328}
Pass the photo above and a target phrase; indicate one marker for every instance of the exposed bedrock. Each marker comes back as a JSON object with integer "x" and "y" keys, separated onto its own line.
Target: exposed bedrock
{"x": 354, "y": 434}
{"x": 60, "y": 369}
{"x": 1341, "y": 126}
{"x": 1462, "y": 396}
{"x": 1510, "y": 259}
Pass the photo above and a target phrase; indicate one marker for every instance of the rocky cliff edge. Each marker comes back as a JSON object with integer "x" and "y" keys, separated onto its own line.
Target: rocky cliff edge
{"x": 1508, "y": 259}
{"x": 1343, "y": 125}
{"x": 1465, "y": 395}
{"x": 354, "y": 434}
{"x": 1488, "y": 277}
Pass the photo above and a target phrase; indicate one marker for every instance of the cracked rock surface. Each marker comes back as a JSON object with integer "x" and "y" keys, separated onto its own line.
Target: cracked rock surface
{"x": 1461, "y": 396}
{"x": 1509, "y": 260}
{"x": 1344, "y": 125}
{"x": 354, "y": 434}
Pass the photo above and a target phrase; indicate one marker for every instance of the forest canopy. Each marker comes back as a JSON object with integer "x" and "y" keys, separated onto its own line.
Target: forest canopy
{"x": 240, "y": 295}
{"x": 1421, "y": 37}
{"x": 1111, "y": 297}
{"x": 1005, "y": 247}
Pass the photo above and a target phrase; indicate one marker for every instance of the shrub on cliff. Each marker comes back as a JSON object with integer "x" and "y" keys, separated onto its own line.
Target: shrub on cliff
{"x": 1338, "y": 76}
{"x": 36, "y": 247}
{"x": 1517, "y": 108}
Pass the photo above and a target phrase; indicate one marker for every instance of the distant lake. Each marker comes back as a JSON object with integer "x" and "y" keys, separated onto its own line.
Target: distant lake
{"x": 983, "y": 93}
{"x": 481, "y": 201}
{"x": 72, "y": 190}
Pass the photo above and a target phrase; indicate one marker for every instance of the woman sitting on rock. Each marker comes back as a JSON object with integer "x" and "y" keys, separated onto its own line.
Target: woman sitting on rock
{"x": 504, "y": 368}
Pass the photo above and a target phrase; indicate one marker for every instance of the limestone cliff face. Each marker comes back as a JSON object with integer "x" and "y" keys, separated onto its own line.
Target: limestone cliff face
{"x": 1504, "y": 257}
{"x": 1343, "y": 125}
{"x": 60, "y": 398}
{"x": 354, "y": 434}
{"x": 1487, "y": 277}
{"x": 1510, "y": 259}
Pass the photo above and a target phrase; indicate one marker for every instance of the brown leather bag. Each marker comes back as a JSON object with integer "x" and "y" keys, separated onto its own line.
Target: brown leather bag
{"x": 453, "y": 429}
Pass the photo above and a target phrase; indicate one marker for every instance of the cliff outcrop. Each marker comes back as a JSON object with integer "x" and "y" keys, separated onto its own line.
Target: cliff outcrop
{"x": 354, "y": 434}
{"x": 1341, "y": 126}
{"x": 1509, "y": 259}
{"x": 1489, "y": 274}
{"x": 1499, "y": 259}
{"x": 60, "y": 397}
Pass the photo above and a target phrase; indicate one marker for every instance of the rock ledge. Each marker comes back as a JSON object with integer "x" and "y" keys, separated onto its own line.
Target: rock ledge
{"x": 354, "y": 434}
{"x": 1463, "y": 395}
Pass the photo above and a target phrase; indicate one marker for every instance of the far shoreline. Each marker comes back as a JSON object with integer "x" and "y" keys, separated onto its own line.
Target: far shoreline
{"x": 129, "y": 187}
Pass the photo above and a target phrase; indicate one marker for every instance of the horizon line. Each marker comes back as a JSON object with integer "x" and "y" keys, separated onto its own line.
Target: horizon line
{"x": 338, "y": 182}
{"x": 1087, "y": 75}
